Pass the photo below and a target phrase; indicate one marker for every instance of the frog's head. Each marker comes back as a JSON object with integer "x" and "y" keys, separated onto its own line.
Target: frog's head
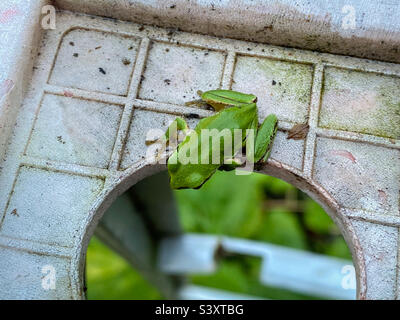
{"x": 220, "y": 99}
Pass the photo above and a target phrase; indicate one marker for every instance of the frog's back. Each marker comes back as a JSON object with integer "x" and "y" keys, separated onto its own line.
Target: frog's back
{"x": 193, "y": 175}
{"x": 230, "y": 118}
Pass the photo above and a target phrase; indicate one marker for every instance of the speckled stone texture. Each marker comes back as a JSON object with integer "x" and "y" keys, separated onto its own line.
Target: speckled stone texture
{"x": 98, "y": 85}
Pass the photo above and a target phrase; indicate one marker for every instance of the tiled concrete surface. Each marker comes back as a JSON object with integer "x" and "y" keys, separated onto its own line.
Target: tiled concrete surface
{"x": 381, "y": 258}
{"x": 18, "y": 41}
{"x": 83, "y": 52}
{"x": 367, "y": 29}
{"x": 66, "y": 129}
{"x": 349, "y": 93}
{"x": 174, "y": 73}
{"x": 23, "y": 273}
{"x": 47, "y": 206}
{"x": 349, "y": 171}
{"x": 79, "y": 137}
{"x": 283, "y": 87}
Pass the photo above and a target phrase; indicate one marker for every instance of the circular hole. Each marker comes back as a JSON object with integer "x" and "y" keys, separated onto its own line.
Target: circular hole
{"x": 258, "y": 212}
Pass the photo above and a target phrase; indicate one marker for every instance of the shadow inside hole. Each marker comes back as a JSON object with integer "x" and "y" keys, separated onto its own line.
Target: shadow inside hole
{"x": 256, "y": 207}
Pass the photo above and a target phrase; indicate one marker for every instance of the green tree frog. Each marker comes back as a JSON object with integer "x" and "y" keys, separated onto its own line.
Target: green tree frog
{"x": 216, "y": 140}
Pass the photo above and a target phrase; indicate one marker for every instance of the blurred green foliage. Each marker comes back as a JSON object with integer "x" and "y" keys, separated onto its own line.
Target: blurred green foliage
{"x": 108, "y": 276}
{"x": 256, "y": 207}
{"x": 227, "y": 204}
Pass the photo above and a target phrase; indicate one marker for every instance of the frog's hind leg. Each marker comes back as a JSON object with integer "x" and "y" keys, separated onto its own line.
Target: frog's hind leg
{"x": 264, "y": 139}
{"x": 238, "y": 159}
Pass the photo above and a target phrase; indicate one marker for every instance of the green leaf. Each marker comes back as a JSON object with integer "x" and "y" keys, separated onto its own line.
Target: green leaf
{"x": 316, "y": 219}
{"x": 338, "y": 248}
{"x": 276, "y": 187}
{"x": 283, "y": 228}
{"x": 227, "y": 204}
{"x": 109, "y": 276}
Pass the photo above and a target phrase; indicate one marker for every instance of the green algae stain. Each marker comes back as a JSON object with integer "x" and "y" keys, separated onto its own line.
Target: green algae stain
{"x": 291, "y": 78}
{"x": 362, "y": 102}
{"x": 388, "y": 115}
{"x": 289, "y": 83}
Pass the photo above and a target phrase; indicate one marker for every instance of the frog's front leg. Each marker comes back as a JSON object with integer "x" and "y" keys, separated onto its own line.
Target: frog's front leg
{"x": 172, "y": 132}
{"x": 171, "y": 137}
{"x": 264, "y": 139}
